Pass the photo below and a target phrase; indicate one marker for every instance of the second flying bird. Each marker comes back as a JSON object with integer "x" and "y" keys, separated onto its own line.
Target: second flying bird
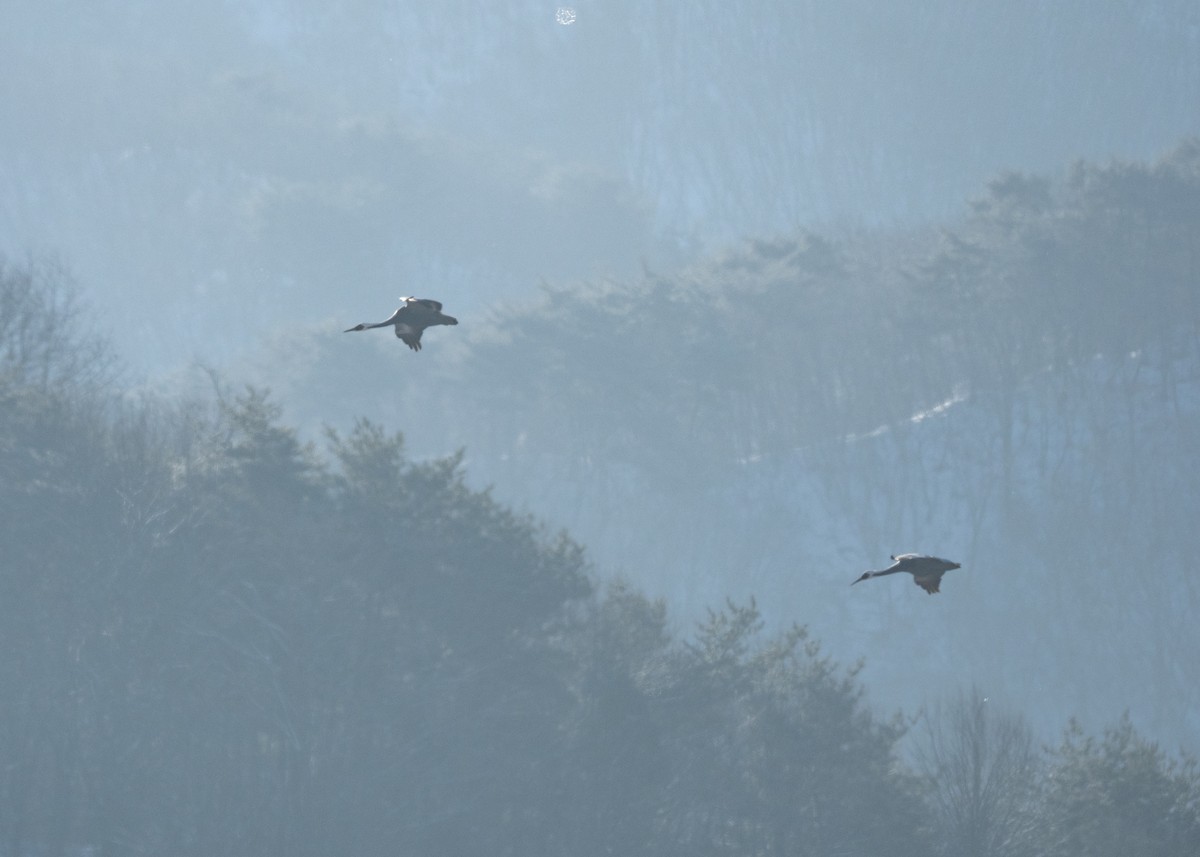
{"x": 411, "y": 319}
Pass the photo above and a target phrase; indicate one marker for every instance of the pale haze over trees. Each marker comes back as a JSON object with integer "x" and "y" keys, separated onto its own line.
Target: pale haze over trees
{"x": 751, "y": 296}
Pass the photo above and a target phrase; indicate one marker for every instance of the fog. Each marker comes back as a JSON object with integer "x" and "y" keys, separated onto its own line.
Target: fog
{"x": 750, "y": 298}
{"x": 211, "y": 173}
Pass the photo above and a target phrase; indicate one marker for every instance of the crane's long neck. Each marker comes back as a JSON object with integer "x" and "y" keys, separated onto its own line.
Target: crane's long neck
{"x": 867, "y": 575}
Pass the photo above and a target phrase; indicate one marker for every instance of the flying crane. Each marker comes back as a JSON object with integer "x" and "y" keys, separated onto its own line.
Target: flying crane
{"x": 411, "y": 319}
{"x": 927, "y": 571}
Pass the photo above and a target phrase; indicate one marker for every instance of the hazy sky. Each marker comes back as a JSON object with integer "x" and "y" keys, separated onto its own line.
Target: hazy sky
{"x": 238, "y": 182}
{"x": 208, "y": 170}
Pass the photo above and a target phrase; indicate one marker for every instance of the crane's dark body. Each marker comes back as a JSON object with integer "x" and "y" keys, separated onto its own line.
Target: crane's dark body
{"x": 411, "y": 320}
{"x": 927, "y": 571}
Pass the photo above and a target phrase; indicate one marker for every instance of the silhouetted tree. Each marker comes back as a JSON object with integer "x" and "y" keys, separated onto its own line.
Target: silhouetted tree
{"x": 1119, "y": 794}
{"x": 778, "y": 754}
{"x": 982, "y": 769}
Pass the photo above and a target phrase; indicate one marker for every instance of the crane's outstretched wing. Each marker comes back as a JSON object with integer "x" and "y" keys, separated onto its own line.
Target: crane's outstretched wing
{"x": 410, "y": 334}
{"x": 930, "y": 583}
{"x": 426, "y": 303}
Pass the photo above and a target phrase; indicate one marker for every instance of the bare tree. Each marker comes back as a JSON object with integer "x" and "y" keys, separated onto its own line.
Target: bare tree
{"x": 45, "y": 338}
{"x": 981, "y": 766}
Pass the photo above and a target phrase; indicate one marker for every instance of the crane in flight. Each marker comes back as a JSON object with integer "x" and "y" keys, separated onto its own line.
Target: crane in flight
{"x": 927, "y": 571}
{"x": 410, "y": 321}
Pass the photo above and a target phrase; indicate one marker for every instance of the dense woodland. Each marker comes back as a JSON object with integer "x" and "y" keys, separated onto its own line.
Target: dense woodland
{"x": 745, "y": 426}
{"x": 222, "y": 639}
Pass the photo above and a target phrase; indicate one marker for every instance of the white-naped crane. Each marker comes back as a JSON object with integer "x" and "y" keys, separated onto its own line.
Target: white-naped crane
{"x": 927, "y": 571}
{"x": 410, "y": 321}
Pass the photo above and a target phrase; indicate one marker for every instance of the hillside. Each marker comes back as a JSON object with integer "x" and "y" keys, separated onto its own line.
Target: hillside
{"x": 747, "y": 427}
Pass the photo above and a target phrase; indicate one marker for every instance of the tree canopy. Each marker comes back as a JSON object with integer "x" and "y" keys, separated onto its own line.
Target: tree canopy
{"x": 220, "y": 638}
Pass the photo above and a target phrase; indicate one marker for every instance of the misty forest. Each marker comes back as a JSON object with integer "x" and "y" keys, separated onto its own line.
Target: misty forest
{"x": 749, "y": 297}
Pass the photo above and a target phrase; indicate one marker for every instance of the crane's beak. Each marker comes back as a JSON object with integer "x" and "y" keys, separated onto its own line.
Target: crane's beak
{"x": 865, "y": 576}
